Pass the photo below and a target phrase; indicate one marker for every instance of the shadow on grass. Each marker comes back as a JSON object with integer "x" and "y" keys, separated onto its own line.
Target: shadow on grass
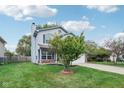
{"x": 61, "y": 65}
{"x": 55, "y": 64}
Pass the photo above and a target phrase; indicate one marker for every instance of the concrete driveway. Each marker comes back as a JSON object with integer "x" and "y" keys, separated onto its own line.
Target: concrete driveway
{"x": 114, "y": 69}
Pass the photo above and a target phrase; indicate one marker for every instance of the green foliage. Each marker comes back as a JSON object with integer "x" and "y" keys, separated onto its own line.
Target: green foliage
{"x": 102, "y": 51}
{"x": 46, "y": 26}
{"x": 24, "y": 46}
{"x": 118, "y": 64}
{"x": 9, "y": 54}
{"x": 90, "y": 47}
{"x": 68, "y": 48}
{"x": 96, "y": 53}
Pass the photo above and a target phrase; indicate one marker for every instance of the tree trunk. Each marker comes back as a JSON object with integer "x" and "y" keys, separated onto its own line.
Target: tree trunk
{"x": 66, "y": 65}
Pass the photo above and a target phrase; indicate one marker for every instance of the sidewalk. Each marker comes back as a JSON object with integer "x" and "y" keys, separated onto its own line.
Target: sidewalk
{"x": 114, "y": 69}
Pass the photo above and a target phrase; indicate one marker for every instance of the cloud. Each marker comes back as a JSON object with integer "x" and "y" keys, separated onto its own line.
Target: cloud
{"x": 51, "y": 22}
{"x": 115, "y": 37}
{"x": 28, "y": 18}
{"x": 103, "y": 26}
{"x": 77, "y": 25}
{"x": 104, "y": 8}
{"x": 10, "y": 47}
{"x": 27, "y": 12}
{"x": 102, "y": 41}
{"x": 85, "y": 18}
{"x": 119, "y": 35}
{"x": 28, "y": 34}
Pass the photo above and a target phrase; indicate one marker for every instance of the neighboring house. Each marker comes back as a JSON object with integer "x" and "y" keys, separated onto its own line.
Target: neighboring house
{"x": 121, "y": 57}
{"x": 2, "y": 48}
{"x": 39, "y": 44}
{"x": 114, "y": 58}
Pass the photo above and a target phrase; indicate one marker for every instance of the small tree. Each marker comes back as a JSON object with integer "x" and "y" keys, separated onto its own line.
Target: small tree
{"x": 68, "y": 48}
{"x": 115, "y": 45}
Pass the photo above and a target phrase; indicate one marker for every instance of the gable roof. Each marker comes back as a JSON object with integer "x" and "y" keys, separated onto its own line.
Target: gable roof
{"x": 2, "y": 40}
{"x": 47, "y": 29}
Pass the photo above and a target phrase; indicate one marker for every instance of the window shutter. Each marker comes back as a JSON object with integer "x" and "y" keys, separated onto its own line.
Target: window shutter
{"x": 43, "y": 38}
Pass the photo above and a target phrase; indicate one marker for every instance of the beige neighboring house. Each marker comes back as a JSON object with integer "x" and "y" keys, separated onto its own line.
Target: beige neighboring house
{"x": 2, "y": 47}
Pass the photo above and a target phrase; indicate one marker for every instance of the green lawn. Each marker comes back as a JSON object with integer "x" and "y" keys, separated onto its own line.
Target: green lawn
{"x": 31, "y": 75}
{"x": 120, "y": 64}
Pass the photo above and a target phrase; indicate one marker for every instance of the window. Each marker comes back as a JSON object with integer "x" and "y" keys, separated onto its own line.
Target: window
{"x": 44, "y": 55}
{"x": 50, "y": 55}
{"x": 59, "y": 31}
{"x": 47, "y": 55}
{"x": 122, "y": 56}
{"x": 43, "y": 38}
{"x": 46, "y": 38}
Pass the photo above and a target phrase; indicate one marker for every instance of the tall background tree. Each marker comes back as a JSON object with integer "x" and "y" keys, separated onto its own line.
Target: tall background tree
{"x": 24, "y": 46}
{"x": 47, "y": 26}
{"x": 95, "y": 52}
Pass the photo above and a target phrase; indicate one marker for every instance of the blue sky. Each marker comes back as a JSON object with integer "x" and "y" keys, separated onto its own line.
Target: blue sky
{"x": 97, "y": 22}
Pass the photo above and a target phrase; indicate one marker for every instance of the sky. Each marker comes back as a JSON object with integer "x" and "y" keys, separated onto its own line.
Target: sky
{"x": 97, "y": 22}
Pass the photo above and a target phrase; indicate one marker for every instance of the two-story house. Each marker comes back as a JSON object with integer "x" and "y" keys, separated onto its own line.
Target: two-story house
{"x": 39, "y": 44}
{"x": 2, "y": 48}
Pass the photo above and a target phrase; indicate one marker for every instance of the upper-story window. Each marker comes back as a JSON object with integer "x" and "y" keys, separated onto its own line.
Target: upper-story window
{"x": 59, "y": 31}
{"x": 46, "y": 38}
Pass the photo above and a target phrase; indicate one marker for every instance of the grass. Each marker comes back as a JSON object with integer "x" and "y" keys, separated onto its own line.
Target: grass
{"x": 120, "y": 64}
{"x": 19, "y": 75}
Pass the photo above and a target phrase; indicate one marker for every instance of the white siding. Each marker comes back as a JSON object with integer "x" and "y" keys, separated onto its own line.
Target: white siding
{"x": 39, "y": 40}
{"x": 39, "y": 37}
{"x": 33, "y": 44}
{"x": 80, "y": 60}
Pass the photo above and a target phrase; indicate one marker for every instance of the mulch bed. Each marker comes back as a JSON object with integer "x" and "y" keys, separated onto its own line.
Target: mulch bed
{"x": 67, "y": 72}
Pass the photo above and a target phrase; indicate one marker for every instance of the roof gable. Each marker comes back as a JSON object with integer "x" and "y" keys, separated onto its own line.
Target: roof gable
{"x": 47, "y": 29}
{"x": 2, "y": 40}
